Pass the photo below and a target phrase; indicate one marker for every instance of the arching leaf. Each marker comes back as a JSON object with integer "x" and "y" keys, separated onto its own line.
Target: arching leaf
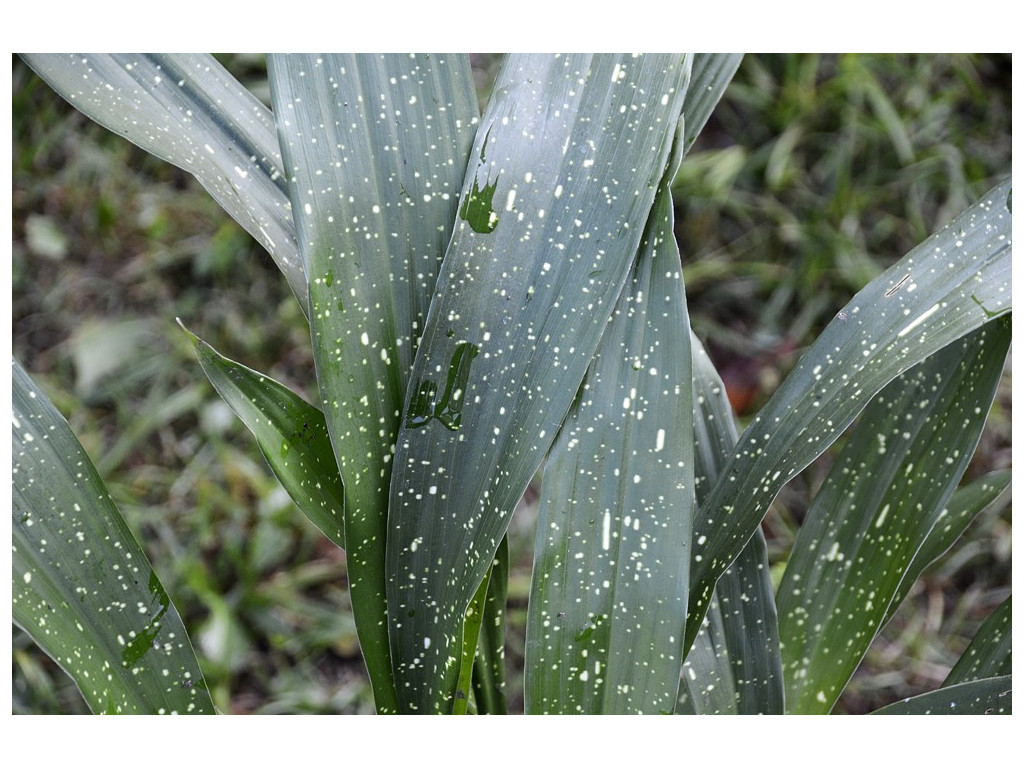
{"x": 952, "y": 283}
{"x": 291, "y": 434}
{"x": 990, "y": 652}
{"x": 987, "y": 493}
{"x": 882, "y": 497}
{"x": 81, "y": 585}
{"x": 989, "y": 696}
{"x": 190, "y": 111}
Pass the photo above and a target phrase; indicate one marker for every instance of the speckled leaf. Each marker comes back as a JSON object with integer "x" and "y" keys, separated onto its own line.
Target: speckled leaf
{"x": 474, "y": 619}
{"x": 884, "y": 493}
{"x": 190, "y": 111}
{"x": 986, "y": 494}
{"x": 734, "y": 666}
{"x": 737, "y": 653}
{"x": 952, "y": 283}
{"x": 710, "y": 75}
{"x": 291, "y": 434}
{"x": 81, "y": 584}
{"x": 990, "y": 696}
{"x": 706, "y": 686}
{"x": 712, "y": 72}
{"x": 608, "y": 598}
{"x": 375, "y": 148}
{"x": 990, "y": 652}
{"x": 561, "y": 180}
{"x": 489, "y": 665}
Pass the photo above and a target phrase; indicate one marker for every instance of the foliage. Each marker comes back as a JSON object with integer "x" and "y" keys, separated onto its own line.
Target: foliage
{"x": 443, "y": 384}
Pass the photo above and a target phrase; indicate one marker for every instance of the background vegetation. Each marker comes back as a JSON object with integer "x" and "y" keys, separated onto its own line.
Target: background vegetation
{"x": 814, "y": 174}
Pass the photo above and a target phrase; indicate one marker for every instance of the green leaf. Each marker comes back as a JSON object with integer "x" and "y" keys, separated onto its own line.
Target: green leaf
{"x": 706, "y": 686}
{"x": 190, "y": 111}
{"x": 375, "y": 148}
{"x": 474, "y": 618}
{"x": 949, "y": 285}
{"x": 882, "y": 497}
{"x": 734, "y": 665}
{"x": 291, "y": 434}
{"x": 608, "y": 598}
{"x": 986, "y": 494}
{"x": 489, "y": 665}
{"x": 712, "y": 72}
{"x": 989, "y": 696}
{"x": 82, "y": 586}
{"x": 990, "y": 652}
{"x": 572, "y": 149}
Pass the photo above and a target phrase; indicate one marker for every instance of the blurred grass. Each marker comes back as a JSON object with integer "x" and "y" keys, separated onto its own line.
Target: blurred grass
{"x": 813, "y": 175}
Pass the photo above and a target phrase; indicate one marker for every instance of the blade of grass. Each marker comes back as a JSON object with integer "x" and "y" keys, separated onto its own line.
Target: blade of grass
{"x": 82, "y": 586}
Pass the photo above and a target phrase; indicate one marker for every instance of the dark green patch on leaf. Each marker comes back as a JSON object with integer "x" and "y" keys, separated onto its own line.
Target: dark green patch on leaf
{"x": 447, "y": 409}
{"x": 478, "y": 208}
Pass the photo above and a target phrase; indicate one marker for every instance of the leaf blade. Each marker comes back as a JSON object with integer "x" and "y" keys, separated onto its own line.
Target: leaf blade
{"x": 990, "y": 652}
{"x": 952, "y": 283}
{"x": 883, "y": 496}
{"x": 82, "y": 586}
{"x": 988, "y": 696}
{"x": 489, "y": 665}
{"x": 190, "y": 111}
{"x": 291, "y": 434}
{"x": 984, "y": 494}
{"x": 608, "y": 599}
{"x": 712, "y": 72}
{"x": 734, "y": 665}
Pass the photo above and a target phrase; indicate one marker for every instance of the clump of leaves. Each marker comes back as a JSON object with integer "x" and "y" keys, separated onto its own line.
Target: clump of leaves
{"x": 490, "y": 293}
